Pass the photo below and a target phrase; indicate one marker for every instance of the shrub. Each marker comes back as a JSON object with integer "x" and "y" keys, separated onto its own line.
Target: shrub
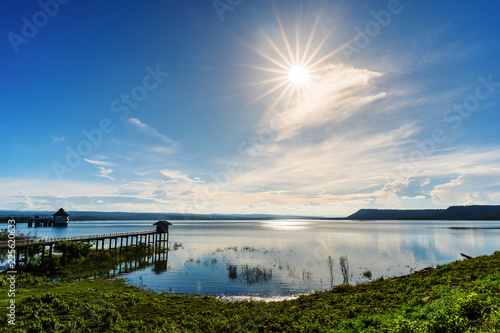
{"x": 72, "y": 250}
{"x": 27, "y": 279}
{"x": 446, "y": 321}
{"x": 344, "y": 288}
{"x": 493, "y": 322}
{"x": 470, "y": 306}
{"x": 366, "y": 322}
{"x": 367, "y": 274}
{"x": 100, "y": 318}
{"x": 44, "y": 325}
{"x": 403, "y": 325}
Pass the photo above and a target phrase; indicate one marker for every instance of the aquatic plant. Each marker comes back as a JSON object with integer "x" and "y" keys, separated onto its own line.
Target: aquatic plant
{"x": 344, "y": 269}
{"x": 330, "y": 267}
{"x": 251, "y": 275}
{"x": 177, "y": 246}
{"x": 232, "y": 271}
{"x": 306, "y": 276}
{"x": 248, "y": 248}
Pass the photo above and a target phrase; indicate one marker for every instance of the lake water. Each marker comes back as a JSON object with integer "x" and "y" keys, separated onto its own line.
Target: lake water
{"x": 289, "y": 257}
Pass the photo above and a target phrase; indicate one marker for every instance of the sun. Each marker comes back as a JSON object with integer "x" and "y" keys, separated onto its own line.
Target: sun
{"x": 299, "y": 75}
{"x": 294, "y": 64}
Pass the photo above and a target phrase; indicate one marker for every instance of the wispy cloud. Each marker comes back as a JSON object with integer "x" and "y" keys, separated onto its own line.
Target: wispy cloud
{"x": 106, "y": 173}
{"x": 57, "y": 139}
{"x": 162, "y": 149}
{"x": 176, "y": 176}
{"x": 160, "y": 144}
{"x": 340, "y": 93}
{"x": 151, "y": 130}
{"x": 101, "y": 163}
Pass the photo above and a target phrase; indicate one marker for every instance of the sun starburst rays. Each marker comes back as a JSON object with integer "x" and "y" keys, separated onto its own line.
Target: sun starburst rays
{"x": 296, "y": 66}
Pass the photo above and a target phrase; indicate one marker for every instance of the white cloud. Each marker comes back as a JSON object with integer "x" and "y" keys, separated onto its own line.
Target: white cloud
{"x": 101, "y": 163}
{"x": 468, "y": 189}
{"x": 106, "y": 173}
{"x": 408, "y": 188}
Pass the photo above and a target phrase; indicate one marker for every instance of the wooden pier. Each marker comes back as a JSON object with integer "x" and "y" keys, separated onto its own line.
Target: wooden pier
{"x": 114, "y": 241}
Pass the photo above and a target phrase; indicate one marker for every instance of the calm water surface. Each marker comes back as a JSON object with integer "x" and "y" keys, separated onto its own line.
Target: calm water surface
{"x": 286, "y": 257}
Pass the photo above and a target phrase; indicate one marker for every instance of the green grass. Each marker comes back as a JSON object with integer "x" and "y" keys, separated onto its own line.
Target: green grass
{"x": 463, "y": 296}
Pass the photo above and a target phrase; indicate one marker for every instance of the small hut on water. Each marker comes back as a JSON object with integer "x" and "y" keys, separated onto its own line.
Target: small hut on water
{"x": 61, "y": 218}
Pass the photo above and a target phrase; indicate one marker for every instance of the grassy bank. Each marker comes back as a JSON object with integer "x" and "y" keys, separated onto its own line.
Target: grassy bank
{"x": 457, "y": 297}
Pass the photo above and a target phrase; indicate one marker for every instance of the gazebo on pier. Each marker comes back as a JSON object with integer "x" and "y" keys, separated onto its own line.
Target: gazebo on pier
{"x": 162, "y": 227}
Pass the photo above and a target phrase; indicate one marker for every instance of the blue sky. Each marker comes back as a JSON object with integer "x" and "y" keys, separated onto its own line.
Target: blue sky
{"x": 188, "y": 106}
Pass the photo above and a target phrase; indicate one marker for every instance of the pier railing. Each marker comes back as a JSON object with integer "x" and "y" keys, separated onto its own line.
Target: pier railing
{"x": 3, "y": 244}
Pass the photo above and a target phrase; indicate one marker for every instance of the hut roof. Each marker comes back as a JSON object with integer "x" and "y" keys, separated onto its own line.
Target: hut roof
{"x": 60, "y": 212}
{"x": 163, "y": 222}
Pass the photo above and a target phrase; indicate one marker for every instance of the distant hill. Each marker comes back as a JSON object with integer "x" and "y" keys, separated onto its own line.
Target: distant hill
{"x": 495, "y": 216}
{"x": 476, "y": 212}
{"x": 468, "y": 213}
{"x": 394, "y": 214}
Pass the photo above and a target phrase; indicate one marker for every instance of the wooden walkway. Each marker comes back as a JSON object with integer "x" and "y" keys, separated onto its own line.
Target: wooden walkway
{"x": 126, "y": 239}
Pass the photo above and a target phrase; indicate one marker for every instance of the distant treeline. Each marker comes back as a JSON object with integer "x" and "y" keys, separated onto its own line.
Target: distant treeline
{"x": 24, "y": 216}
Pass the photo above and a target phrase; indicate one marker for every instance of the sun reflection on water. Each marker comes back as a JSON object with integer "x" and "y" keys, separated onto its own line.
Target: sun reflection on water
{"x": 286, "y": 225}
